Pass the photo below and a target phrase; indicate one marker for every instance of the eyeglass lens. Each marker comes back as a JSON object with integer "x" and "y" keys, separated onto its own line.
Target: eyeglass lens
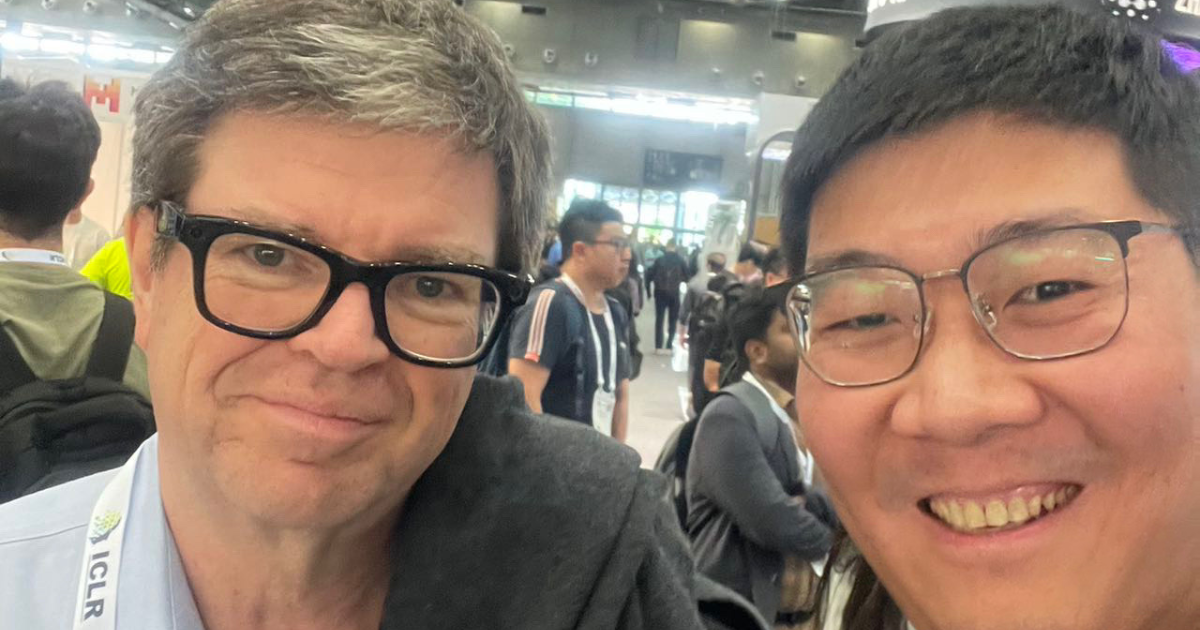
{"x": 1047, "y": 295}
{"x": 264, "y": 285}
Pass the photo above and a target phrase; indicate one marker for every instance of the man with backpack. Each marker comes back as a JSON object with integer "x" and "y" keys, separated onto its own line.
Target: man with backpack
{"x": 755, "y": 522}
{"x": 72, "y": 385}
{"x": 666, "y": 274}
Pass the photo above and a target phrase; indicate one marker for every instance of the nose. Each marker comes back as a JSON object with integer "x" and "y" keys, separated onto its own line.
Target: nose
{"x": 964, "y": 389}
{"x": 345, "y": 339}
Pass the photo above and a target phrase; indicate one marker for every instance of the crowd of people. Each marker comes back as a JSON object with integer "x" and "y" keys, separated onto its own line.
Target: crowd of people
{"x": 960, "y": 395}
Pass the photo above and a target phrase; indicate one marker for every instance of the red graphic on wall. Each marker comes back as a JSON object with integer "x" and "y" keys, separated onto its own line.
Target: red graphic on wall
{"x": 96, "y": 94}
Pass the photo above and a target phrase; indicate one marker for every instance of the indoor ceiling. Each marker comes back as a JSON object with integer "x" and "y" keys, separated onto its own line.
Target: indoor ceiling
{"x": 183, "y": 11}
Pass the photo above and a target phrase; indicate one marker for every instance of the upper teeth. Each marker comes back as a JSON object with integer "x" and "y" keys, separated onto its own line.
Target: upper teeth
{"x": 970, "y": 516}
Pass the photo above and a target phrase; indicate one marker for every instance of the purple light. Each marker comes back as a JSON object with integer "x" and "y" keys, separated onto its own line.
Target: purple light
{"x": 1186, "y": 57}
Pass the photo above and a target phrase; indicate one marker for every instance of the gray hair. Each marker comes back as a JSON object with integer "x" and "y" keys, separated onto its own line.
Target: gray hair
{"x": 418, "y": 66}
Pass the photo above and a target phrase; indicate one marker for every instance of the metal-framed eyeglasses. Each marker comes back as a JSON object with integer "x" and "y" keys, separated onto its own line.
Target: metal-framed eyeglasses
{"x": 267, "y": 284}
{"x": 1045, "y": 295}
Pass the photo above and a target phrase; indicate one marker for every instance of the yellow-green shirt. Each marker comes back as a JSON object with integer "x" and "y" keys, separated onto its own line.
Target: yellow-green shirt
{"x": 109, "y": 268}
{"x": 52, "y": 314}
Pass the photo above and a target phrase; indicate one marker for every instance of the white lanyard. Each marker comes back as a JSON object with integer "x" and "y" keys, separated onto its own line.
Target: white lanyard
{"x": 96, "y": 603}
{"x": 612, "y": 338}
{"x": 43, "y": 256}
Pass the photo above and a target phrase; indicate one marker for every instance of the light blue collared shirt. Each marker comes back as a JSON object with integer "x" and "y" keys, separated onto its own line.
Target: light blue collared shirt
{"x": 41, "y": 554}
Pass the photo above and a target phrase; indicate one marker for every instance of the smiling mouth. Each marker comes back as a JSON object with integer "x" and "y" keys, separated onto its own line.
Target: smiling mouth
{"x": 999, "y": 514}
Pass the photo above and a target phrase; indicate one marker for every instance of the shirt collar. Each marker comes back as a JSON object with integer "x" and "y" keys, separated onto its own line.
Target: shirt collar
{"x": 781, "y": 396}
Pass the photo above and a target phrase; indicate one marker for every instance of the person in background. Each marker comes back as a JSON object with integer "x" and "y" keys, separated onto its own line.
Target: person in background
{"x": 629, "y": 295}
{"x": 335, "y": 205}
{"x": 568, "y": 343}
{"x": 51, "y": 313}
{"x": 548, "y": 267}
{"x": 706, "y": 331}
{"x": 666, "y": 275}
{"x": 82, "y": 238}
{"x": 749, "y": 266}
{"x": 774, "y": 268}
{"x": 697, "y": 288}
{"x": 994, "y": 217}
{"x": 109, "y": 268}
{"x": 756, "y": 525}
{"x": 693, "y": 261}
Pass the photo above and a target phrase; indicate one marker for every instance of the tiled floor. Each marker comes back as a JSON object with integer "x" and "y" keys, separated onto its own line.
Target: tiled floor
{"x": 657, "y": 396}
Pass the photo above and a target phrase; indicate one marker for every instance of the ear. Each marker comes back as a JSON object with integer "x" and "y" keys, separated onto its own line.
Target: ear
{"x": 756, "y": 350}
{"x": 578, "y": 249}
{"x": 140, "y": 235}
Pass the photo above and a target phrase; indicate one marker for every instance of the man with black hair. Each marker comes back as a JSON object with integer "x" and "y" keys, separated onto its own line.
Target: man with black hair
{"x": 774, "y": 267}
{"x": 569, "y": 344}
{"x": 666, "y": 274}
{"x": 51, "y": 313}
{"x": 995, "y": 215}
{"x": 749, "y": 265}
{"x": 754, "y": 522}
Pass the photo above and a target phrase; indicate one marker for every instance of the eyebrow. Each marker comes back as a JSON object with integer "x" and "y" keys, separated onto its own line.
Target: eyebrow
{"x": 1022, "y": 227}
{"x": 423, "y": 254}
{"x": 982, "y": 239}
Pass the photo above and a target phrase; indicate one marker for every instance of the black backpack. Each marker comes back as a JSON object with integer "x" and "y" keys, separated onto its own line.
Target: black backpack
{"x": 707, "y": 312}
{"x": 54, "y": 431}
{"x": 676, "y": 454}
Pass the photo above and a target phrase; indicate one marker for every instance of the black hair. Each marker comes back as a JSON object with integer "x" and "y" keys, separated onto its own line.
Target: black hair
{"x": 751, "y": 318}
{"x": 750, "y": 252}
{"x": 48, "y": 144}
{"x": 1050, "y": 65}
{"x": 774, "y": 263}
{"x": 583, "y": 221}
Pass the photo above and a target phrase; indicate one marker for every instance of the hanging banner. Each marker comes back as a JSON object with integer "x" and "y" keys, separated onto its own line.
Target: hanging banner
{"x": 109, "y": 92}
{"x": 1176, "y": 19}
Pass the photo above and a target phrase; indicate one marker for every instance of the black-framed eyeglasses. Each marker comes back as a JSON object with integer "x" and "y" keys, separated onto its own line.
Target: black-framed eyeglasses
{"x": 1050, "y": 294}
{"x": 620, "y": 244}
{"x": 267, "y": 284}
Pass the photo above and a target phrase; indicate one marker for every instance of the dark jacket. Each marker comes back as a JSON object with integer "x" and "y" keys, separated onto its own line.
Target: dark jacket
{"x": 531, "y": 522}
{"x": 667, "y": 273}
{"x": 742, "y": 477}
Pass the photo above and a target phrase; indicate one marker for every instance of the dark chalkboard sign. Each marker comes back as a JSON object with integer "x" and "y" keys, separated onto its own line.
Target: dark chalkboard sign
{"x": 680, "y": 171}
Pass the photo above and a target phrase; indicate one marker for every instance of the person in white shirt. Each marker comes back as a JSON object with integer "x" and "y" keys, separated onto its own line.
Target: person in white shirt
{"x": 335, "y": 208}
{"x": 82, "y": 238}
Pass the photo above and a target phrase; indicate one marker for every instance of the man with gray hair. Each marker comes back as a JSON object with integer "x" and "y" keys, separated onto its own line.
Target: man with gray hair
{"x": 335, "y": 203}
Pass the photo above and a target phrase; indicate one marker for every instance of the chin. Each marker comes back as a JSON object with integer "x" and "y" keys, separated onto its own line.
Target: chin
{"x": 303, "y": 496}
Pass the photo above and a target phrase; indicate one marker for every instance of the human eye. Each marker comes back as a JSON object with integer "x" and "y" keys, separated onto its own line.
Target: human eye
{"x": 429, "y": 287}
{"x": 1049, "y": 291}
{"x": 864, "y": 323}
{"x": 443, "y": 289}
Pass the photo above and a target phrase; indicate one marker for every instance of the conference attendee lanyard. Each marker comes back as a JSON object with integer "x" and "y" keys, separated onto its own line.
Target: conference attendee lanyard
{"x": 96, "y": 603}
{"x": 604, "y": 400}
{"x": 43, "y": 256}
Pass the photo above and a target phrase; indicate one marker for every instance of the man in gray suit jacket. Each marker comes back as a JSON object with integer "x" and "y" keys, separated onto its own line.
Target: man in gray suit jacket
{"x": 755, "y": 524}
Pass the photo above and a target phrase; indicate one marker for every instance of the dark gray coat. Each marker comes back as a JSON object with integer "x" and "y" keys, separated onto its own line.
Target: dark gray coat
{"x": 742, "y": 475}
{"x": 530, "y": 522}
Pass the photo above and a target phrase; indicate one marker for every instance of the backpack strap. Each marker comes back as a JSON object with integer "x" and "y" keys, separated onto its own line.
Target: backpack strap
{"x": 14, "y": 370}
{"x": 764, "y": 416}
{"x": 110, "y": 352}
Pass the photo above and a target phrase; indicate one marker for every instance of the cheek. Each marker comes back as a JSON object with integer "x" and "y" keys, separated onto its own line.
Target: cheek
{"x": 843, "y": 428}
{"x": 188, "y": 358}
{"x": 437, "y": 395}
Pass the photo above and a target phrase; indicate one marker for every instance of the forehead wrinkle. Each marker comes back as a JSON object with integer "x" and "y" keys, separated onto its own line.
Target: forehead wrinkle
{"x": 982, "y": 239}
